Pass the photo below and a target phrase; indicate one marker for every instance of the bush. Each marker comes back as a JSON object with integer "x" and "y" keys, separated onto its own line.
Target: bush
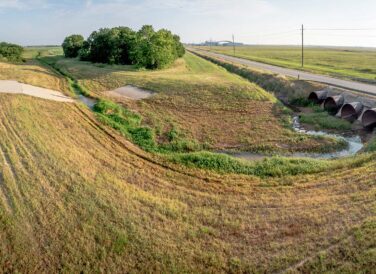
{"x": 269, "y": 167}
{"x": 10, "y": 52}
{"x": 121, "y": 45}
{"x": 72, "y": 45}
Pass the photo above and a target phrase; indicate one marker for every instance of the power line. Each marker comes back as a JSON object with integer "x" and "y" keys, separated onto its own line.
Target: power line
{"x": 328, "y": 29}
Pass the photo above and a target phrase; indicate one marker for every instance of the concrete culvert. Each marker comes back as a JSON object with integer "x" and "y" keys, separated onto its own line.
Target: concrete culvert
{"x": 369, "y": 118}
{"x": 333, "y": 103}
{"x": 318, "y": 97}
{"x": 351, "y": 111}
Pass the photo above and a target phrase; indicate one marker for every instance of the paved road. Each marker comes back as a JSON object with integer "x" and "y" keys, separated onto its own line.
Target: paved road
{"x": 352, "y": 85}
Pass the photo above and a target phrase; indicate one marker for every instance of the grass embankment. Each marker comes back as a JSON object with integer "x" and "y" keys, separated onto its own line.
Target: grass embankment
{"x": 354, "y": 63}
{"x": 30, "y": 72}
{"x": 197, "y": 103}
{"x": 102, "y": 205}
{"x": 355, "y": 254}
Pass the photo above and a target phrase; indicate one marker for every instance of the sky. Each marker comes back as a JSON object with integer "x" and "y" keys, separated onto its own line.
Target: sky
{"x": 327, "y": 22}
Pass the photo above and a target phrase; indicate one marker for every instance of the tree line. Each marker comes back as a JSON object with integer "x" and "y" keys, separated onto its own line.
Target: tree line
{"x": 10, "y": 52}
{"x": 121, "y": 45}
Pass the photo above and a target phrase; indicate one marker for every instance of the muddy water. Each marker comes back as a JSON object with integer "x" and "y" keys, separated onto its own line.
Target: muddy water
{"x": 89, "y": 102}
{"x": 355, "y": 144}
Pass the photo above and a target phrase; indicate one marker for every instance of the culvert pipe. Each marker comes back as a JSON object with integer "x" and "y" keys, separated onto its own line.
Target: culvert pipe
{"x": 369, "y": 118}
{"x": 333, "y": 103}
{"x": 318, "y": 97}
{"x": 351, "y": 111}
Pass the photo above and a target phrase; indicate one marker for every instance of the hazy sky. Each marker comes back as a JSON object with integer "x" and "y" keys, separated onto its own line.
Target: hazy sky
{"x": 36, "y": 22}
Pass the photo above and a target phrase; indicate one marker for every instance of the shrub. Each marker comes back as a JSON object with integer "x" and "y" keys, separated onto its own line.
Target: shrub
{"x": 10, "y": 52}
{"x": 269, "y": 167}
{"x": 72, "y": 45}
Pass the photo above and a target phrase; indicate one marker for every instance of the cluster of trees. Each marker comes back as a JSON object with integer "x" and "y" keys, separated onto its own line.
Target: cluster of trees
{"x": 121, "y": 45}
{"x": 10, "y": 52}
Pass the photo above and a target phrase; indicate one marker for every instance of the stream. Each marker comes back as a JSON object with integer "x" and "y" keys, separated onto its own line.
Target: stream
{"x": 355, "y": 144}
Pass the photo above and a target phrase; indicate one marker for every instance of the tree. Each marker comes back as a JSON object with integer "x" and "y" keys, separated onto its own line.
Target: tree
{"x": 11, "y": 52}
{"x": 72, "y": 45}
{"x": 180, "y": 50}
{"x": 155, "y": 50}
{"x": 121, "y": 45}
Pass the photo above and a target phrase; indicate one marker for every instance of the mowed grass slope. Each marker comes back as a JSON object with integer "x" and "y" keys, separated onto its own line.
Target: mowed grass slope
{"x": 354, "y": 63}
{"x": 75, "y": 196}
{"x": 199, "y": 102}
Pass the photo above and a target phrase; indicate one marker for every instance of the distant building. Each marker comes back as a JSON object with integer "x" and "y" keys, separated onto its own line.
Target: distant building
{"x": 219, "y": 43}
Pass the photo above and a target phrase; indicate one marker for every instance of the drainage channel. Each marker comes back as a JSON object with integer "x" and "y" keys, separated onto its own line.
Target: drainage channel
{"x": 355, "y": 144}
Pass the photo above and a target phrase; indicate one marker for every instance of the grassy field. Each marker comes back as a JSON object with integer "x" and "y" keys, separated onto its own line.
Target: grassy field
{"x": 199, "y": 103}
{"x": 354, "y": 63}
{"x": 76, "y": 196}
{"x": 104, "y": 205}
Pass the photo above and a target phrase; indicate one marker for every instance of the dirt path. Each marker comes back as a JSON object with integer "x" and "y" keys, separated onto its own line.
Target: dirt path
{"x": 14, "y": 87}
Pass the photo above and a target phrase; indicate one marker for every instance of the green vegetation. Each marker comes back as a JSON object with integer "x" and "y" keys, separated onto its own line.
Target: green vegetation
{"x": 323, "y": 120}
{"x": 283, "y": 88}
{"x": 105, "y": 205}
{"x": 129, "y": 124}
{"x": 371, "y": 146}
{"x": 10, "y": 52}
{"x": 268, "y": 167}
{"x": 204, "y": 103}
{"x": 72, "y": 45}
{"x": 354, "y": 63}
{"x": 121, "y": 45}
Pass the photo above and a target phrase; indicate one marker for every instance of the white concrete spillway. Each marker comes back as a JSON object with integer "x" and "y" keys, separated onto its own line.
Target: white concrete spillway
{"x": 14, "y": 87}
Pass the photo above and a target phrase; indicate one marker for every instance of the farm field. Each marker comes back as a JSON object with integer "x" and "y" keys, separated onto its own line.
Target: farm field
{"x": 352, "y": 63}
{"x": 76, "y": 196}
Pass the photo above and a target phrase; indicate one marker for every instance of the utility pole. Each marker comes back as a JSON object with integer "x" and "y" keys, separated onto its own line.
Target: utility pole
{"x": 302, "y": 45}
{"x": 233, "y": 43}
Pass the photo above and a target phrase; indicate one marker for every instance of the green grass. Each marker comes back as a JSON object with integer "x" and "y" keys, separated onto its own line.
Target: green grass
{"x": 76, "y": 197}
{"x": 371, "y": 145}
{"x": 268, "y": 167}
{"x": 130, "y": 125}
{"x": 205, "y": 104}
{"x": 323, "y": 120}
{"x": 354, "y": 63}
{"x": 33, "y": 52}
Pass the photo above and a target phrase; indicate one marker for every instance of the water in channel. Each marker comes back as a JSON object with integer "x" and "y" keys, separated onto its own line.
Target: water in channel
{"x": 355, "y": 144}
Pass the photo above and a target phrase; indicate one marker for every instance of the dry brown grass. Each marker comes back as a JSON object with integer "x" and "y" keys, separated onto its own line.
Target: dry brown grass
{"x": 202, "y": 101}
{"x": 77, "y": 197}
{"x": 33, "y": 74}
